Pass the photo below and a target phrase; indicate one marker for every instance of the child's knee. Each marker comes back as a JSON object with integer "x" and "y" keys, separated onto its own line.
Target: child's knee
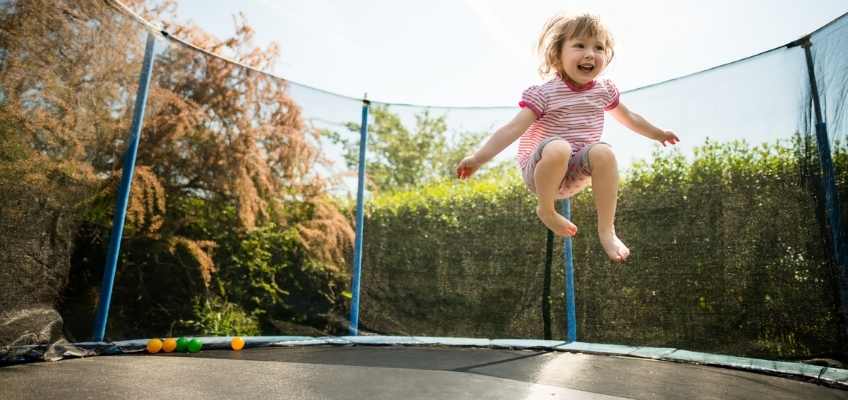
{"x": 557, "y": 150}
{"x": 601, "y": 154}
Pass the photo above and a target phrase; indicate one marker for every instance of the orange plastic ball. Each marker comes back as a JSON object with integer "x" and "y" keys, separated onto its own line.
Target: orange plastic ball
{"x": 169, "y": 345}
{"x": 154, "y": 345}
{"x": 237, "y": 343}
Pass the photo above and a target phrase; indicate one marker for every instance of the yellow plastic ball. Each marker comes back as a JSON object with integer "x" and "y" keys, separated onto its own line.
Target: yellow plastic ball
{"x": 154, "y": 345}
{"x": 169, "y": 345}
{"x": 237, "y": 343}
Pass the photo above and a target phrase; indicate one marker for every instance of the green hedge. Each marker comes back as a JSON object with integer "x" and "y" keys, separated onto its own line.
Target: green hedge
{"x": 728, "y": 257}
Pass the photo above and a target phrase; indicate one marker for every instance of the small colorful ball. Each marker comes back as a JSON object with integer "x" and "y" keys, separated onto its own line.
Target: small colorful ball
{"x": 194, "y": 346}
{"x": 154, "y": 345}
{"x": 169, "y": 345}
{"x": 182, "y": 344}
{"x": 237, "y": 343}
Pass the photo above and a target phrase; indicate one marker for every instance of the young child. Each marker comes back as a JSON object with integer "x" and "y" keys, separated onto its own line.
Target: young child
{"x": 560, "y": 126}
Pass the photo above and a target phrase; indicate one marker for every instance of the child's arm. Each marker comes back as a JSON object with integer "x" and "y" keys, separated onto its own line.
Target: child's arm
{"x": 638, "y": 124}
{"x": 502, "y": 138}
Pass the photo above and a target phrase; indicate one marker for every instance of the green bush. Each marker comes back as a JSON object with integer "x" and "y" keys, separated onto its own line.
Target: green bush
{"x": 728, "y": 256}
{"x": 269, "y": 272}
{"x": 217, "y": 317}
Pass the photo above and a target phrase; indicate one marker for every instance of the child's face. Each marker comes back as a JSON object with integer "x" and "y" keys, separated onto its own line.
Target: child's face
{"x": 583, "y": 59}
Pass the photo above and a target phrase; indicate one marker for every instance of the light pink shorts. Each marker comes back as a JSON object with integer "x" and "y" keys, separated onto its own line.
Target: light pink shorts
{"x": 578, "y": 176}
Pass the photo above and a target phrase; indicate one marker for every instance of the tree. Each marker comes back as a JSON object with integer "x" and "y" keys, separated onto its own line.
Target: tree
{"x": 63, "y": 98}
{"x": 224, "y": 152}
{"x": 402, "y": 158}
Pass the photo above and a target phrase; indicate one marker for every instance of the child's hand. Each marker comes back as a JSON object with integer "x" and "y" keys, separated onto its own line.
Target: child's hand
{"x": 467, "y": 166}
{"x": 668, "y": 137}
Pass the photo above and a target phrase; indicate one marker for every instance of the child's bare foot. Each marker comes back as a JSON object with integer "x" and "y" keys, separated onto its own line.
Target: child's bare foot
{"x": 556, "y": 222}
{"x": 616, "y": 250}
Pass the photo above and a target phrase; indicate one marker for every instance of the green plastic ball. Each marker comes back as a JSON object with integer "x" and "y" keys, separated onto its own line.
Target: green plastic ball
{"x": 194, "y": 346}
{"x": 182, "y": 344}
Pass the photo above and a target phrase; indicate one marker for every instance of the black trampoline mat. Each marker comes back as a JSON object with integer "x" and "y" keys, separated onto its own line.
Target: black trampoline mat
{"x": 392, "y": 372}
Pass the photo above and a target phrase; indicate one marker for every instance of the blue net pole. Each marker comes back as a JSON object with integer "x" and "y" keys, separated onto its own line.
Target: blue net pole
{"x": 831, "y": 195}
{"x": 124, "y": 193}
{"x": 360, "y": 219}
{"x": 570, "y": 314}
{"x": 546, "y": 288}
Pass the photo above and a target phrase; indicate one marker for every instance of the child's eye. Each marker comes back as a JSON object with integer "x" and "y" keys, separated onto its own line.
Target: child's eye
{"x": 578, "y": 45}
{"x": 599, "y": 48}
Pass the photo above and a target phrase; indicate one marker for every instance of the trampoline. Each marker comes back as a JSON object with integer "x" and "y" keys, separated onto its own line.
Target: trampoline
{"x": 432, "y": 282}
{"x": 416, "y": 368}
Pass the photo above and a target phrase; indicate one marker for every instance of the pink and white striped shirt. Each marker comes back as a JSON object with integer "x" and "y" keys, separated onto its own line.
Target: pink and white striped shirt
{"x": 575, "y": 114}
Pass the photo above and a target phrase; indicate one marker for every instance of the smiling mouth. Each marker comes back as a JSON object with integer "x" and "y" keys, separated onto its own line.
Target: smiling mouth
{"x": 586, "y": 67}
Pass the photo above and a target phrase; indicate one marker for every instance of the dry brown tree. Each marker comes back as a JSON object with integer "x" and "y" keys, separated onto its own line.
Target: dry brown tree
{"x": 214, "y": 131}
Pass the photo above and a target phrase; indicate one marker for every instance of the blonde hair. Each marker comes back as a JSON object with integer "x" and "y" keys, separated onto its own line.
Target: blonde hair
{"x": 564, "y": 27}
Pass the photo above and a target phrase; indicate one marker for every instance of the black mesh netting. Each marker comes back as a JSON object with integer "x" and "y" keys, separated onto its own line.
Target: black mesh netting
{"x": 241, "y": 214}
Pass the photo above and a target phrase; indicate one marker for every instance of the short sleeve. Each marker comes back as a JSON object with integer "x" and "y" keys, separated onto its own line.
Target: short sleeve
{"x": 613, "y": 95}
{"x": 534, "y": 99}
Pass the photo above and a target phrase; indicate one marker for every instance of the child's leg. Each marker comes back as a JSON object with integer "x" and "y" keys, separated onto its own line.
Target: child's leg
{"x": 605, "y": 187}
{"x": 548, "y": 175}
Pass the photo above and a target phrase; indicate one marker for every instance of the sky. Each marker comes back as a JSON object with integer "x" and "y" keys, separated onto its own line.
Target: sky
{"x": 477, "y": 53}
{"x": 482, "y": 53}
